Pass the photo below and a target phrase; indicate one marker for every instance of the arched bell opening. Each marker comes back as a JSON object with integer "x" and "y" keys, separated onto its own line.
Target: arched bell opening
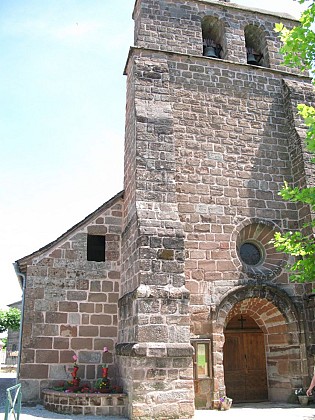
{"x": 213, "y": 37}
{"x": 256, "y": 46}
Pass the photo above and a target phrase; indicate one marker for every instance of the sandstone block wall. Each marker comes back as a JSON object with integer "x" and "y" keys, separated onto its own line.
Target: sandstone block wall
{"x": 153, "y": 309}
{"x": 85, "y": 404}
{"x": 71, "y": 306}
{"x": 177, "y": 27}
{"x": 209, "y": 143}
{"x": 221, "y": 130}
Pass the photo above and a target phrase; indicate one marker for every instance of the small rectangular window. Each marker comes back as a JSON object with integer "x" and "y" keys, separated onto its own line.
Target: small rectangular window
{"x": 202, "y": 368}
{"x": 96, "y": 248}
{"x": 202, "y": 360}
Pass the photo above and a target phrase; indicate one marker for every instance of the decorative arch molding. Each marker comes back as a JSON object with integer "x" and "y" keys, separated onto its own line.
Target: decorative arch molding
{"x": 278, "y": 317}
{"x": 279, "y": 298}
{"x": 252, "y": 220}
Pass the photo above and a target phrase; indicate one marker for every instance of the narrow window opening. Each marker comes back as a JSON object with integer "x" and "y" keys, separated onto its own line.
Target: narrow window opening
{"x": 96, "y": 248}
{"x": 202, "y": 362}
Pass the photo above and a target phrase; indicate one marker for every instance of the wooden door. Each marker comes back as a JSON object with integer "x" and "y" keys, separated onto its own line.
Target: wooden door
{"x": 245, "y": 366}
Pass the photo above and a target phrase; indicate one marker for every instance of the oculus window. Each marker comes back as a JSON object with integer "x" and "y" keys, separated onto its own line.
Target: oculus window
{"x": 250, "y": 253}
{"x": 256, "y": 252}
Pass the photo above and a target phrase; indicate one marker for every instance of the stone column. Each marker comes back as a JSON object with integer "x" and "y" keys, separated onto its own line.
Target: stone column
{"x": 154, "y": 351}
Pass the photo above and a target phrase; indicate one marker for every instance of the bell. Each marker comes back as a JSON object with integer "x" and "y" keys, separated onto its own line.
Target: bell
{"x": 251, "y": 59}
{"x": 211, "y": 52}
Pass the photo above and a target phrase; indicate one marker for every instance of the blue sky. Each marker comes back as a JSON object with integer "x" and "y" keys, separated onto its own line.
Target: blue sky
{"x": 62, "y": 116}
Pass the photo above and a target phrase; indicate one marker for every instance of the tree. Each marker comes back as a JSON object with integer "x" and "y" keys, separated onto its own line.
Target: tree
{"x": 299, "y": 51}
{"x": 10, "y": 319}
{"x": 4, "y": 341}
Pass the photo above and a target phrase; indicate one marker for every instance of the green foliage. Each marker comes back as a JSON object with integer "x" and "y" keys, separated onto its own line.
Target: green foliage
{"x": 4, "y": 341}
{"x": 299, "y": 43}
{"x": 299, "y": 51}
{"x": 294, "y": 243}
{"x": 308, "y": 113}
{"x": 304, "y": 195}
{"x": 10, "y": 319}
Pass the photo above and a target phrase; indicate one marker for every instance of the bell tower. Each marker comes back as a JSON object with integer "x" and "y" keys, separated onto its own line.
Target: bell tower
{"x": 210, "y": 138}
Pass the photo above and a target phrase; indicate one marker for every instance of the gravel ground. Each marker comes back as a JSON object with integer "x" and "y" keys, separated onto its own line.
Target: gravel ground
{"x": 258, "y": 411}
{"x": 38, "y": 412}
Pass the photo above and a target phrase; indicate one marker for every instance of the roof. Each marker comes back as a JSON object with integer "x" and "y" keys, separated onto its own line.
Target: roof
{"x": 15, "y": 304}
{"x": 24, "y": 261}
{"x": 234, "y": 5}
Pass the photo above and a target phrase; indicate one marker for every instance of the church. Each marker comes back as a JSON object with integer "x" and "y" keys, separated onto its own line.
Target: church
{"x": 176, "y": 275}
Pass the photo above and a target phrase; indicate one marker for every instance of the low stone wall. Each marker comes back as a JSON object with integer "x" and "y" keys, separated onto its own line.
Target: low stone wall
{"x": 86, "y": 404}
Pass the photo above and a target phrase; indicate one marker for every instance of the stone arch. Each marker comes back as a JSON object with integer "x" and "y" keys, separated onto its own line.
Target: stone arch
{"x": 256, "y": 45}
{"x": 276, "y": 315}
{"x": 249, "y": 221}
{"x": 213, "y": 36}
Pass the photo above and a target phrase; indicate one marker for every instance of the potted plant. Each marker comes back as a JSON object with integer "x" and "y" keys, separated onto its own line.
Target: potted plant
{"x": 302, "y": 397}
{"x": 225, "y": 403}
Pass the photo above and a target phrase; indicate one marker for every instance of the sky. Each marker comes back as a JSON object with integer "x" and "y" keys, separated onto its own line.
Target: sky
{"x": 62, "y": 114}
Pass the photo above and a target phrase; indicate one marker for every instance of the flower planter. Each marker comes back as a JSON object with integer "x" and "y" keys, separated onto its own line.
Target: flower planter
{"x": 85, "y": 403}
{"x": 226, "y": 404}
{"x": 303, "y": 399}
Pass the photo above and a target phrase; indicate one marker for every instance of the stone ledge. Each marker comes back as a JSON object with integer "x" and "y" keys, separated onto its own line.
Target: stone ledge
{"x": 155, "y": 292}
{"x": 218, "y": 62}
{"x": 155, "y": 349}
{"x": 85, "y": 403}
{"x": 241, "y": 7}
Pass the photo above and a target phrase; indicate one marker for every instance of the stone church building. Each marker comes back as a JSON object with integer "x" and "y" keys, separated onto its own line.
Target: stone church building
{"x": 176, "y": 275}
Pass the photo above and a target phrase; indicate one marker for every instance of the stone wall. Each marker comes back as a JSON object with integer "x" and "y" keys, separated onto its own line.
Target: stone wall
{"x": 71, "y": 305}
{"x": 85, "y": 404}
{"x": 302, "y": 168}
{"x": 209, "y": 143}
{"x": 169, "y": 26}
{"x": 232, "y": 157}
{"x": 220, "y": 130}
{"x": 154, "y": 306}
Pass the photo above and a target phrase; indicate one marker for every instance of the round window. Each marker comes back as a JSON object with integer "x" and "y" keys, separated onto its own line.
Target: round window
{"x": 250, "y": 253}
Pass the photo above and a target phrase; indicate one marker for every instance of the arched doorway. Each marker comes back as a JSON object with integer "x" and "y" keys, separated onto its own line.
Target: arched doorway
{"x": 284, "y": 340}
{"x": 244, "y": 360}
